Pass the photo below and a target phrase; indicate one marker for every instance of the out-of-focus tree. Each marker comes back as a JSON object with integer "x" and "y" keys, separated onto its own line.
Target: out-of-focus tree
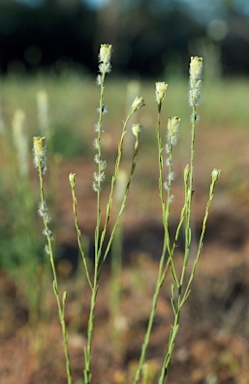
{"x": 149, "y": 37}
{"x": 53, "y": 33}
{"x": 235, "y": 47}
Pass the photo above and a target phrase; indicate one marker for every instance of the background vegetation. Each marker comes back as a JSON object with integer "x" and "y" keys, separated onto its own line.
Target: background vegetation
{"x": 149, "y": 37}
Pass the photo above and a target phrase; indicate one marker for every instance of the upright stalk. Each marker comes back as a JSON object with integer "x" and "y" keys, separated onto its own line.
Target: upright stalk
{"x": 161, "y": 89}
{"x": 39, "y": 150}
{"x": 99, "y": 176}
{"x": 194, "y": 98}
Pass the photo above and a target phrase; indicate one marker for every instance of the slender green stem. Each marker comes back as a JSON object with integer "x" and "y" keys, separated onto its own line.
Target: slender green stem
{"x": 177, "y": 304}
{"x": 188, "y": 203}
{"x": 98, "y": 266}
{"x": 172, "y": 134}
{"x": 165, "y": 207}
{"x": 160, "y": 164}
{"x": 113, "y": 183}
{"x": 99, "y": 154}
{"x": 88, "y": 349}
{"x": 115, "y": 289}
{"x": 171, "y": 345}
{"x": 166, "y": 246}
{"x": 78, "y": 231}
{"x": 99, "y": 239}
{"x": 190, "y": 191}
{"x": 94, "y": 284}
{"x": 182, "y": 298}
{"x": 122, "y": 207}
{"x": 200, "y": 245}
{"x": 61, "y": 306}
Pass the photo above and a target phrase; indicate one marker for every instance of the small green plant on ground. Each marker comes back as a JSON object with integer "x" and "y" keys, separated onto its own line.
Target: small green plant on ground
{"x": 106, "y": 229}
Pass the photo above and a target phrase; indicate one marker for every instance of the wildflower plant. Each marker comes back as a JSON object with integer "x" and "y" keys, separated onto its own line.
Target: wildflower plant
{"x": 179, "y": 295}
{"x": 39, "y": 152}
{"x": 181, "y": 282}
{"x": 98, "y": 179}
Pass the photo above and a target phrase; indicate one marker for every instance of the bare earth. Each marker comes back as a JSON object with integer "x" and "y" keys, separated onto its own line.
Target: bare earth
{"x": 212, "y": 345}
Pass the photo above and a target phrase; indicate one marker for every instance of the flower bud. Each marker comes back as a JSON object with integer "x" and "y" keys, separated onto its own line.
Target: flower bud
{"x": 105, "y": 53}
{"x": 215, "y": 175}
{"x": 39, "y": 151}
{"x": 137, "y": 104}
{"x": 161, "y": 88}
{"x": 104, "y": 60}
{"x": 72, "y": 179}
{"x": 136, "y": 129}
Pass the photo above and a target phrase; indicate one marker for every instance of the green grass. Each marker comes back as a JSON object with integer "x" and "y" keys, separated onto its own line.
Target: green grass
{"x": 72, "y": 100}
{"x": 72, "y": 113}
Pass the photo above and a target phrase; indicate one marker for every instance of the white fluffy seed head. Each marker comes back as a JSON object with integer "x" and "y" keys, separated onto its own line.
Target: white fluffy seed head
{"x": 195, "y": 75}
{"x": 104, "y": 61}
{"x": 173, "y": 130}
